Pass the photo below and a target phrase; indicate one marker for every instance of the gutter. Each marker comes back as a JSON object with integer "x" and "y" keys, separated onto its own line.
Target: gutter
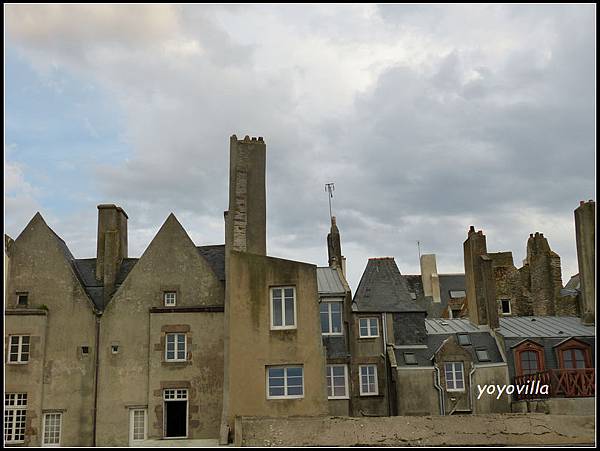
{"x": 472, "y": 405}
{"x": 385, "y": 361}
{"x": 96, "y": 368}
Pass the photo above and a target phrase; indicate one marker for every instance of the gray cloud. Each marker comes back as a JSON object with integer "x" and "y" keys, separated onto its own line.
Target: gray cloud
{"x": 428, "y": 119}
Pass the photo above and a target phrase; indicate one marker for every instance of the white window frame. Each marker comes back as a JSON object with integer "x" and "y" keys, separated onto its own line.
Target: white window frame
{"x": 17, "y": 403}
{"x": 328, "y": 302}
{"x": 176, "y": 348}
{"x": 329, "y": 377}
{"x": 369, "y": 322}
{"x": 283, "y": 325}
{"x": 167, "y": 298}
{"x": 509, "y": 307}
{"x": 176, "y": 394}
{"x": 285, "y": 381}
{"x": 44, "y": 426}
{"x": 454, "y": 378}
{"x": 20, "y": 352}
{"x": 132, "y": 412}
{"x": 360, "y": 380}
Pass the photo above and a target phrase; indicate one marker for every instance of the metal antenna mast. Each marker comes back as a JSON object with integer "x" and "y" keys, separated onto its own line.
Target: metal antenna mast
{"x": 330, "y": 188}
{"x": 419, "y": 249}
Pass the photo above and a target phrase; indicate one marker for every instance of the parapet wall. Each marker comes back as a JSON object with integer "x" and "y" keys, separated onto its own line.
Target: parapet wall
{"x": 456, "y": 430}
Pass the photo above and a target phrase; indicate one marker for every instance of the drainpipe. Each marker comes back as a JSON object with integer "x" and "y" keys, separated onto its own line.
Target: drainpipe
{"x": 385, "y": 362}
{"x": 437, "y": 385}
{"x": 96, "y": 366}
{"x": 471, "y": 402}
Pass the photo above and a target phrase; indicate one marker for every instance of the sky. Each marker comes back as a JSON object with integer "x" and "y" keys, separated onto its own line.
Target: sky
{"x": 428, "y": 119}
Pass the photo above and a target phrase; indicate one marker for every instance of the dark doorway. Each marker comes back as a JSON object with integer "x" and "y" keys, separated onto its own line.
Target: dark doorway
{"x": 176, "y": 419}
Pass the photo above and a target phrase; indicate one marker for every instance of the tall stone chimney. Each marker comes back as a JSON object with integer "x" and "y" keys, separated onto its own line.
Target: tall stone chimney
{"x": 246, "y": 219}
{"x": 479, "y": 276}
{"x": 111, "y": 246}
{"x": 429, "y": 277}
{"x": 585, "y": 234}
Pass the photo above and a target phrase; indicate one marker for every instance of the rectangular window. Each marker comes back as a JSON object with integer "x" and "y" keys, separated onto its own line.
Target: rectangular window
{"x": 368, "y": 380}
{"x": 505, "y": 304}
{"x": 138, "y": 424}
{"x": 283, "y": 308}
{"x": 15, "y": 414}
{"x": 170, "y": 298}
{"x": 337, "y": 381}
{"x": 455, "y": 380}
{"x": 331, "y": 318}
{"x": 175, "y": 412}
{"x": 18, "y": 349}
{"x": 175, "y": 351}
{"x": 482, "y": 355}
{"x": 285, "y": 382}
{"x": 22, "y": 299}
{"x": 456, "y": 294}
{"x": 51, "y": 433}
{"x": 368, "y": 327}
{"x": 464, "y": 339}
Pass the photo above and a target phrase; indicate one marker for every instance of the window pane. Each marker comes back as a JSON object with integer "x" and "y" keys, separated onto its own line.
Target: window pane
{"x": 276, "y": 391}
{"x": 289, "y": 293}
{"x": 295, "y": 391}
{"x": 277, "y": 313}
{"x": 294, "y": 371}
{"x": 339, "y": 371}
{"x": 324, "y": 321}
{"x": 289, "y": 311}
{"x": 336, "y": 317}
{"x": 276, "y": 372}
{"x": 373, "y": 327}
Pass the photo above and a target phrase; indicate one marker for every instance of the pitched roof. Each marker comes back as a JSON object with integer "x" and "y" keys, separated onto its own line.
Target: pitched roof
{"x": 329, "y": 282}
{"x": 449, "y": 326}
{"x": 544, "y": 327}
{"x": 215, "y": 256}
{"x": 383, "y": 289}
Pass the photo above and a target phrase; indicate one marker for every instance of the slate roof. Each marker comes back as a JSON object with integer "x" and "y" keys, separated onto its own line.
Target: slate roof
{"x": 449, "y": 326}
{"x": 544, "y": 327}
{"x": 329, "y": 283}
{"x": 573, "y": 287}
{"x": 215, "y": 256}
{"x": 383, "y": 289}
{"x": 448, "y": 282}
{"x": 479, "y": 340}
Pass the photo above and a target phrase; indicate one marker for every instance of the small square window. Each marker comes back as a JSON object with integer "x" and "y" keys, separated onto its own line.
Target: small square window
{"x": 22, "y": 299}
{"x": 114, "y": 349}
{"x": 410, "y": 358}
{"x": 170, "y": 298}
{"x": 85, "y": 350}
{"x": 368, "y": 327}
{"x": 482, "y": 355}
{"x": 464, "y": 339}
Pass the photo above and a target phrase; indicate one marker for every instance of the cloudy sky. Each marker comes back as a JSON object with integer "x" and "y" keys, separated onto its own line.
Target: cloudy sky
{"x": 427, "y": 118}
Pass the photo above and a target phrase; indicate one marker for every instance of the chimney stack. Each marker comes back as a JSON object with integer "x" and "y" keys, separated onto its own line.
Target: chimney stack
{"x": 585, "y": 235}
{"x": 429, "y": 277}
{"x": 111, "y": 246}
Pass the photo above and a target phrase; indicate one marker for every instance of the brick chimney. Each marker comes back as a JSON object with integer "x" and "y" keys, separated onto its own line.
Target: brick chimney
{"x": 111, "y": 246}
{"x": 246, "y": 219}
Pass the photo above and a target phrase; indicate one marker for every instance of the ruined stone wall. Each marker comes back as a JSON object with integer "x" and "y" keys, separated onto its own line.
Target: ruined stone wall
{"x": 585, "y": 232}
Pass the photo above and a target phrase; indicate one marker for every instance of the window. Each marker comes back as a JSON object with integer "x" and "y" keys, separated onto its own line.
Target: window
{"x": 85, "y": 350}
{"x": 455, "y": 380}
{"x": 331, "y": 318}
{"x": 51, "y": 433}
{"x": 455, "y": 294}
{"x": 368, "y": 327}
{"x": 574, "y": 354}
{"x": 337, "y": 381}
{"x": 15, "y": 413}
{"x": 283, "y": 308}
{"x": 368, "y": 380}
{"x": 285, "y": 382}
{"x": 175, "y": 351}
{"x": 482, "y": 355}
{"x": 22, "y": 299}
{"x": 19, "y": 349}
{"x": 505, "y": 306}
{"x": 529, "y": 358}
{"x": 464, "y": 339}
{"x": 114, "y": 349}
{"x": 170, "y": 298}
{"x": 138, "y": 420}
{"x": 410, "y": 358}
{"x": 413, "y": 296}
{"x": 175, "y": 412}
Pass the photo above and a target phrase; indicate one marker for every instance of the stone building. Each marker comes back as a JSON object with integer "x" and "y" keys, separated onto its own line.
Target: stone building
{"x": 177, "y": 343}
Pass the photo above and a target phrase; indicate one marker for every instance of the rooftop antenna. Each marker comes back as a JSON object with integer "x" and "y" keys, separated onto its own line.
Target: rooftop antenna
{"x": 419, "y": 249}
{"x": 330, "y": 188}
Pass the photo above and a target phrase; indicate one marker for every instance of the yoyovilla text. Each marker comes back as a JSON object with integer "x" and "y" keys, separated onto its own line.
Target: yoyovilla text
{"x": 530, "y": 388}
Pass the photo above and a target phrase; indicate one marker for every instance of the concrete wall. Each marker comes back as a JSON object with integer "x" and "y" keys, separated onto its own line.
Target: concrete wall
{"x": 492, "y": 374}
{"x": 66, "y": 383}
{"x": 136, "y": 375}
{"x": 253, "y": 345}
{"x": 415, "y": 392}
{"x": 557, "y": 406}
{"x": 456, "y": 430}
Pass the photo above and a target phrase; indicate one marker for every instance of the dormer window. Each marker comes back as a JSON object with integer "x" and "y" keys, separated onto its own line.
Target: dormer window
{"x": 456, "y": 294}
{"x": 482, "y": 355}
{"x": 464, "y": 339}
{"x": 170, "y": 298}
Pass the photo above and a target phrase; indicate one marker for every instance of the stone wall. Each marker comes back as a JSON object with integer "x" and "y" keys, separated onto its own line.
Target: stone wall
{"x": 457, "y": 430}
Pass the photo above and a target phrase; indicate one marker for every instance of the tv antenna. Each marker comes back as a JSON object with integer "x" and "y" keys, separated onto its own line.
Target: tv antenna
{"x": 330, "y": 188}
{"x": 419, "y": 249}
